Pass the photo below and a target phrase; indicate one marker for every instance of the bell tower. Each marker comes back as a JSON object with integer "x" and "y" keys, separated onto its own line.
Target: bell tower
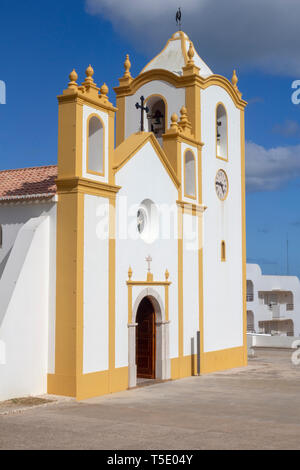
{"x": 85, "y": 274}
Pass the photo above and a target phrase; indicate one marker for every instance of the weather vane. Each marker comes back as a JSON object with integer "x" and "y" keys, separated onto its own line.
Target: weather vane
{"x": 178, "y": 19}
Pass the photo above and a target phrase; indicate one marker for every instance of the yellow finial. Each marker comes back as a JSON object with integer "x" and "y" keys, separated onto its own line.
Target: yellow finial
{"x": 89, "y": 71}
{"x": 184, "y": 122}
{"x": 174, "y": 121}
{"x": 127, "y": 67}
{"x": 234, "y": 79}
{"x": 73, "y": 77}
{"x": 167, "y": 275}
{"x": 191, "y": 54}
{"x": 129, "y": 273}
{"x": 104, "y": 91}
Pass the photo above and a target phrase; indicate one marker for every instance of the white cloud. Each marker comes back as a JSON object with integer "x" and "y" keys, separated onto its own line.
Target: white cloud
{"x": 232, "y": 33}
{"x": 270, "y": 169}
{"x": 288, "y": 129}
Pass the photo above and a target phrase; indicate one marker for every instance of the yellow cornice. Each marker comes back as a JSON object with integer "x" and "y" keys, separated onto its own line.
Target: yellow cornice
{"x": 191, "y": 79}
{"x": 183, "y": 138}
{"x": 190, "y": 208}
{"x": 80, "y": 98}
{"x": 125, "y": 151}
{"x": 148, "y": 283}
{"x": 85, "y": 185}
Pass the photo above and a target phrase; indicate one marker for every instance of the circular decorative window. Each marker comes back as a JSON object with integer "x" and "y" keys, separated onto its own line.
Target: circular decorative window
{"x": 141, "y": 220}
{"x": 147, "y": 221}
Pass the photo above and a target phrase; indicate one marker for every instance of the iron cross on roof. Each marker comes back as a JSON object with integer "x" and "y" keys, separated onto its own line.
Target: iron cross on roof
{"x": 142, "y": 108}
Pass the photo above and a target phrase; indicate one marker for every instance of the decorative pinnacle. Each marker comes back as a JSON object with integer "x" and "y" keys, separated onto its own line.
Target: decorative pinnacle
{"x": 174, "y": 121}
{"x": 184, "y": 122}
{"x": 129, "y": 273}
{"x": 73, "y": 77}
{"x": 167, "y": 275}
{"x": 191, "y": 54}
{"x": 234, "y": 79}
{"x": 104, "y": 91}
{"x": 127, "y": 67}
{"x": 89, "y": 75}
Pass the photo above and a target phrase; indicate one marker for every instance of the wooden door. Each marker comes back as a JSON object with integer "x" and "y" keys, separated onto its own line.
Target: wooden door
{"x": 145, "y": 340}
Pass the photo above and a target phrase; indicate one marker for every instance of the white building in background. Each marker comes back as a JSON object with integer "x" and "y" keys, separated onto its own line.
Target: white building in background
{"x": 273, "y": 303}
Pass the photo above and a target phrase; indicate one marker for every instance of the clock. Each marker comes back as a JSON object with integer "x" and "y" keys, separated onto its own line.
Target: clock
{"x": 221, "y": 184}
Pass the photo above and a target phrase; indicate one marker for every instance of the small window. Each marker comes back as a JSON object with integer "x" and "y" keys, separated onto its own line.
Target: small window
{"x": 95, "y": 146}
{"x": 189, "y": 174}
{"x": 221, "y": 132}
{"x": 1, "y": 236}
{"x": 223, "y": 251}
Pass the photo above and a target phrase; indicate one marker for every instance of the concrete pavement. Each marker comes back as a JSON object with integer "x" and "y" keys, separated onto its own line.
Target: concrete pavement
{"x": 257, "y": 407}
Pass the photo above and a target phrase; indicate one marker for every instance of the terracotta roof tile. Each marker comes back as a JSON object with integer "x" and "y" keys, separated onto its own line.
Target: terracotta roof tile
{"x": 24, "y": 183}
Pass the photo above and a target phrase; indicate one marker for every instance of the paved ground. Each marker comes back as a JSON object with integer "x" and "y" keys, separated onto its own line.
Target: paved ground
{"x": 253, "y": 408}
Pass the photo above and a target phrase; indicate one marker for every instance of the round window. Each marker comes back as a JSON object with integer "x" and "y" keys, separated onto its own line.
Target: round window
{"x": 147, "y": 221}
{"x": 141, "y": 220}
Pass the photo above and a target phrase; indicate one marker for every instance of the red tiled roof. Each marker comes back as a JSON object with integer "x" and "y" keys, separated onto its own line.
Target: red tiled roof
{"x": 28, "y": 183}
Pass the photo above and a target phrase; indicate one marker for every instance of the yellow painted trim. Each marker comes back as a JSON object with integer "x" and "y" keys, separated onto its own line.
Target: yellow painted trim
{"x": 216, "y": 115}
{"x": 92, "y": 172}
{"x": 184, "y": 171}
{"x": 86, "y": 186}
{"x": 120, "y": 120}
{"x": 181, "y": 82}
{"x": 224, "y": 359}
{"x": 112, "y": 282}
{"x": 180, "y": 281}
{"x": 192, "y": 209}
{"x": 133, "y": 144}
{"x": 243, "y": 185}
{"x": 70, "y": 118}
{"x": 148, "y": 283}
{"x": 166, "y": 106}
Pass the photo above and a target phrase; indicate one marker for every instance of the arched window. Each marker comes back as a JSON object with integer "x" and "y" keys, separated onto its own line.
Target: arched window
{"x": 189, "y": 174}
{"x": 95, "y": 147}
{"x": 1, "y": 236}
{"x": 157, "y": 116}
{"x": 223, "y": 251}
{"x": 221, "y": 132}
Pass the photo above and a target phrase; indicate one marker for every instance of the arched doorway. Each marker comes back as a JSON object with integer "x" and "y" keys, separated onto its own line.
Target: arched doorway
{"x": 145, "y": 340}
{"x": 149, "y": 301}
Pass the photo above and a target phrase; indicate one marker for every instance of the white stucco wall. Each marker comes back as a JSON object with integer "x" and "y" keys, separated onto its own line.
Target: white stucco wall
{"x": 24, "y": 312}
{"x": 222, "y": 281}
{"x": 144, "y": 177}
{"x": 175, "y": 98}
{"x": 267, "y": 283}
{"x": 95, "y": 285}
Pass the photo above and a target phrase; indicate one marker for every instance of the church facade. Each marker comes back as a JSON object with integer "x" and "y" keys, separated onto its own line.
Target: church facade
{"x": 127, "y": 261}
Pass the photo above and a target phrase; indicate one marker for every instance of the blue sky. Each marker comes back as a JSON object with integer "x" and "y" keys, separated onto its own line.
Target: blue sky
{"x": 41, "y": 42}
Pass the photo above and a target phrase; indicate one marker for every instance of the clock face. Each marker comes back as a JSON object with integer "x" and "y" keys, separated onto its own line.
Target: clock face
{"x": 141, "y": 220}
{"x": 221, "y": 184}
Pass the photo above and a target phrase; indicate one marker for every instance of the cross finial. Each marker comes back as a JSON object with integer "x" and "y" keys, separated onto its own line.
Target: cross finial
{"x": 149, "y": 261}
{"x": 142, "y": 108}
